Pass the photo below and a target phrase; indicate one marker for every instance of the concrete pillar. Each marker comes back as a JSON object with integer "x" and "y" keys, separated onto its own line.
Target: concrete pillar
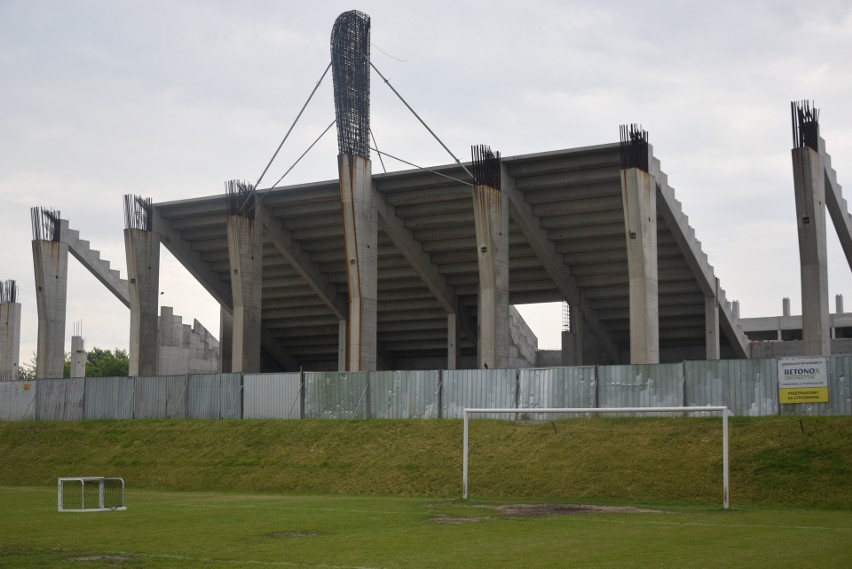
{"x": 10, "y": 340}
{"x": 711, "y": 322}
{"x": 226, "y": 339}
{"x": 573, "y": 344}
{"x": 453, "y": 348}
{"x": 342, "y": 343}
{"x": 78, "y": 357}
{"x": 809, "y": 184}
{"x": 838, "y": 303}
{"x": 639, "y": 196}
{"x": 245, "y": 252}
{"x": 142, "y": 249}
{"x": 50, "y": 259}
{"x": 785, "y": 306}
{"x": 491, "y": 214}
{"x": 360, "y": 233}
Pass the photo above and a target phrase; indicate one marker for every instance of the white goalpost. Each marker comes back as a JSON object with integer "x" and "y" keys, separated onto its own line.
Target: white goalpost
{"x": 90, "y": 494}
{"x": 576, "y": 410}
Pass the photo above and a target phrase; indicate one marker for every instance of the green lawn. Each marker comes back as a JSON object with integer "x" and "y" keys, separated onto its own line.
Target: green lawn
{"x": 219, "y": 530}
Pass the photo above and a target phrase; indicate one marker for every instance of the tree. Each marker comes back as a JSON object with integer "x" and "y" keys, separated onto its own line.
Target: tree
{"x": 106, "y": 363}
{"x": 99, "y": 363}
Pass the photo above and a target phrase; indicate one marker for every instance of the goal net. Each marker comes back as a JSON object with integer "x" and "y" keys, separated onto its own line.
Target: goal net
{"x": 90, "y": 494}
{"x": 525, "y": 414}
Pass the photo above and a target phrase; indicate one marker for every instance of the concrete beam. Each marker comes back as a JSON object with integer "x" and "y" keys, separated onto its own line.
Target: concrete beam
{"x": 491, "y": 214}
{"x": 359, "y": 239}
{"x": 142, "y": 249}
{"x": 421, "y": 263}
{"x": 711, "y": 323}
{"x": 809, "y": 186}
{"x": 245, "y": 248}
{"x": 10, "y": 340}
{"x": 639, "y": 193}
{"x": 91, "y": 260}
{"x": 553, "y": 262}
{"x": 50, "y": 259}
{"x": 301, "y": 262}
{"x": 191, "y": 260}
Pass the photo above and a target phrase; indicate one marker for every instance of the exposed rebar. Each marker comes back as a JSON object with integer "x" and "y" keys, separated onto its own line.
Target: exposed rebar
{"x": 486, "y": 166}
{"x": 805, "y": 118}
{"x": 138, "y": 212}
{"x": 350, "y": 69}
{"x": 634, "y": 147}
{"x": 241, "y": 198}
{"x": 45, "y": 223}
{"x": 9, "y": 292}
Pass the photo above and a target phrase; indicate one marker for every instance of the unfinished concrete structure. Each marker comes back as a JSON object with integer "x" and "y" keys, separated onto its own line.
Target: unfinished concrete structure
{"x": 420, "y": 269}
{"x": 10, "y": 331}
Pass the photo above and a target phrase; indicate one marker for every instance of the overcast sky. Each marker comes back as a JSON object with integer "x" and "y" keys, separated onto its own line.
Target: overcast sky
{"x": 169, "y": 99}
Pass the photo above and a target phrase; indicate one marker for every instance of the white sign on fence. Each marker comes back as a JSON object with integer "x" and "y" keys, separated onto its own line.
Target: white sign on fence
{"x": 802, "y": 380}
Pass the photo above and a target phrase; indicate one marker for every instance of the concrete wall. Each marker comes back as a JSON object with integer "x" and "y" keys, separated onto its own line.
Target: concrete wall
{"x": 791, "y": 348}
{"x": 523, "y": 343}
{"x": 184, "y": 348}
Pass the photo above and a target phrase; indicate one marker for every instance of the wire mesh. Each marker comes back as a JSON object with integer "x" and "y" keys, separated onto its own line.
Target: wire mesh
{"x": 350, "y": 68}
{"x": 241, "y": 198}
{"x": 137, "y": 212}
{"x": 805, "y": 119}
{"x": 9, "y": 292}
{"x": 634, "y": 147}
{"x": 486, "y": 166}
{"x": 45, "y": 223}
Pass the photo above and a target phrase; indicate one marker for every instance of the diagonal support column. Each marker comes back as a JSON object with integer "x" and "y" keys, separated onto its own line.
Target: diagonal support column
{"x": 809, "y": 187}
{"x": 639, "y": 193}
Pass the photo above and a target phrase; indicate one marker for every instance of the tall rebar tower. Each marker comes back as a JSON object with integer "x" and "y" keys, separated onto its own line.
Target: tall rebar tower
{"x": 350, "y": 66}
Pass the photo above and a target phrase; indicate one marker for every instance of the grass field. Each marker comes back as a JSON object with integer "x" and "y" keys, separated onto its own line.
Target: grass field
{"x": 222, "y": 530}
{"x": 385, "y": 494}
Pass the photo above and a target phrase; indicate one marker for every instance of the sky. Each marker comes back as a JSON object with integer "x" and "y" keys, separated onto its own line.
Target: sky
{"x": 169, "y": 99}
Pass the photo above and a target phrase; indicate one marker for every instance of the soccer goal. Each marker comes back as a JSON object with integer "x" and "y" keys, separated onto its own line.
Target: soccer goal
{"x": 90, "y": 494}
{"x": 597, "y": 411}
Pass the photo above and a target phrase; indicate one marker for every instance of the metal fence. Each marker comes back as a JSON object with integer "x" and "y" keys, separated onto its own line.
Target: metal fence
{"x": 747, "y": 387}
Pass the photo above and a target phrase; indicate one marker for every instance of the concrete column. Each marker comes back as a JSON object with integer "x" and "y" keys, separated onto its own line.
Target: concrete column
{"x": 342, "y": 329}
{"x": 809, "y": 184}
{"x": 577, "y": 325}
{"x": 10, "y": 340}
{"x": 359, "y": 239}
{"x": 785, "y": 306}
{"x": 711, "y": 322}
{"x": 245, "y": 252}
{"x": 78, "y": 357}
{"x": 142, "y": 249}
{"x": 453, "y": 348}
{"x": 226, "y": 339}
{"x": 491, "y": 213}
{"x": 639, "y": 196}
{"x": 50, "y": 259}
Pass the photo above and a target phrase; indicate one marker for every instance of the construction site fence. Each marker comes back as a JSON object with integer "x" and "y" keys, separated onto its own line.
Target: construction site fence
{"x": 746, "y": 387}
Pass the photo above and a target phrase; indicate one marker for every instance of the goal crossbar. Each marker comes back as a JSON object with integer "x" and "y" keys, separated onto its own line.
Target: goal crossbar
{"x": 725, "y": 412}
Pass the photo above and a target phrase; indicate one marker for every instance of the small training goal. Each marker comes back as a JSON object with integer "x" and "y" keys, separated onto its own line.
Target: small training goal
{"x": 494, "y": 413}
{"x": 90, "y": 494}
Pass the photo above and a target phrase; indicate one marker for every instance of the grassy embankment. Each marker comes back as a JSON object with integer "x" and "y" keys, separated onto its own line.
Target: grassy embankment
{"x": 774, "y": 460}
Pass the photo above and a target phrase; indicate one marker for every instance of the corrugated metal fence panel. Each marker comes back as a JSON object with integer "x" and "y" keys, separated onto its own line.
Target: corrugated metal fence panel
{"x": 272, "y": 396}
{"x": 337, "y": 395}
{"x": 17, "y": 400}
{"x": 746, "y": 387}
{"x": 60, "y": 399}
{"x": 162, "y": 397}
{"x": 556, "y": 388}
{"x": 214, "y": 396}
{"x": 839, "y": 371}
{"x": 477, "y": 388}
{"x": 659, "y": 385}
{"x": 404, "y": 394}
{"x": 108, "y": 398}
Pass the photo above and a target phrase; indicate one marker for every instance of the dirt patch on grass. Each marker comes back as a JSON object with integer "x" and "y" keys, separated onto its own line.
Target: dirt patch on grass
{"x": 292, "y": 534}
{"x": 541, "y": 510}
{"x": 108, "y": 558}
{"x": 448, "y": 520}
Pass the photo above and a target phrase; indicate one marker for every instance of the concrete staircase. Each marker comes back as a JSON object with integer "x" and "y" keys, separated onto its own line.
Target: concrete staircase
{"x": 671, "y": 210}
{"x": 91, "y": 259}
{"x": 838, "y": 208}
